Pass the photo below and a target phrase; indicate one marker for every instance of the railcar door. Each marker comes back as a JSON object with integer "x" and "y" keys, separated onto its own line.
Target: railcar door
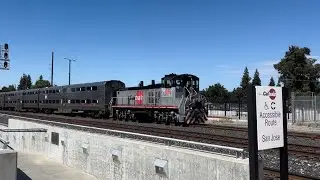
{"x": 63, "y": 105}
{"x": 18, "y": 101}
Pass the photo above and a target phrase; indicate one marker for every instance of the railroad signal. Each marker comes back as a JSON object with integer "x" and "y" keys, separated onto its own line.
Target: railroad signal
{"x": 6, "y": 52}
{"x": 4, "y": 57}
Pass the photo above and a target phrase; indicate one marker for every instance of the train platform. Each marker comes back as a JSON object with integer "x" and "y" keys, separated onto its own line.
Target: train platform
{"x": 38, "y": 167}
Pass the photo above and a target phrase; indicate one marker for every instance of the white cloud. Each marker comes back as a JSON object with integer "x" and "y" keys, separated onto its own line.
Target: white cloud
{"x": 265, "y": 68}
{"x": 313, "y": 57}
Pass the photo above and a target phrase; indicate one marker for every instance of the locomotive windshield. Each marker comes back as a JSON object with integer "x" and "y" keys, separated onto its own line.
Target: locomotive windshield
{"x": 183, "y": 80}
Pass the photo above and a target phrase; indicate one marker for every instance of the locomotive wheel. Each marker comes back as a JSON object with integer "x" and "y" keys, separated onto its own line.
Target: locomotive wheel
{"x": 176, "y": 122}
{"x": 133, "y": 118}
{"x": 127, "y": 117}
{"x": 168, "y": 119}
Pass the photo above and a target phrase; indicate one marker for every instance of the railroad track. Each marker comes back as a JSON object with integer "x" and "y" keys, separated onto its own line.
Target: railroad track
{"x": 272, "y": 174}
{"x": 212, "y": 134}
{"x": 150, "y": 129}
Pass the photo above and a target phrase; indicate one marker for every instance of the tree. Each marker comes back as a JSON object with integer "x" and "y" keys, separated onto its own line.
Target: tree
{"x": 256, "y": 81}
{"x": 8, "y": 89}
{"x": 245, "y": 82}
{"x": 237, "y": 93}
{"x": 272, "y": 83}
{"x": 29, "y": 82}
{"x": 278, "y": 83}
{"x": 297, "y": 72}
{"x": 40, "y": 83}
{"x": 25, "y": 82}
{"x": 217, "y": 92}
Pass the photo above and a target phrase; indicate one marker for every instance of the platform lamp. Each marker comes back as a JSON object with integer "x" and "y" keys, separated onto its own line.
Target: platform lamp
{"x": 70, "y": 67}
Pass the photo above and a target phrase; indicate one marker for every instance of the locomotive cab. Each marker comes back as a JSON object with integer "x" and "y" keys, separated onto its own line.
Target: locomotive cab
{"x": 193, "y": 111}
{"x": 187, "y": 82}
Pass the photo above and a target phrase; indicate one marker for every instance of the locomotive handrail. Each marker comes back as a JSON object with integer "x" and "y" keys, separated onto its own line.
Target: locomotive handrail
{"x": 182, "y": 105}
{"x": 5, "y": 143}
{"x": 188, "y": 92}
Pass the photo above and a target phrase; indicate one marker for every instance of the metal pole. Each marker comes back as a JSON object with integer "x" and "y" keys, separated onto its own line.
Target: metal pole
{"x": 284, "y": 149}
{"x": 69, "y": 70}
{"x": 293, "y": 108}
{"x": 52, "y": 68}
{"x": 252, "y": 132}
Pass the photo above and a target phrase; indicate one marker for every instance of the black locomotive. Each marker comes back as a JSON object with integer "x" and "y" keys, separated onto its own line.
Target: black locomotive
{"x": 176, "y": 99}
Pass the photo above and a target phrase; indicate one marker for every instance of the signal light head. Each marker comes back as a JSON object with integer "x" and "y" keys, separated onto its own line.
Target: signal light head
{"x": 5, "y": 64}
{"x": 6, "y": 46}
{"x": 5, "y": 55}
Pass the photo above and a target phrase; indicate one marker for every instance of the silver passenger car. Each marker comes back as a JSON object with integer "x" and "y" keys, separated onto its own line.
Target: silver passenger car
{"x": 30, "y": 99}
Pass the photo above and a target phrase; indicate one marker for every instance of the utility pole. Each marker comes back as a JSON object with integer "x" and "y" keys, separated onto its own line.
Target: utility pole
{"x": 52, "y": 68}
{"x": 70, "y": 67}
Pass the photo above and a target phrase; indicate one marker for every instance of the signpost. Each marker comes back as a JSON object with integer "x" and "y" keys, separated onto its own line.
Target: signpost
{"x": 269, "y": 117}
{"x": 267, "y": 126}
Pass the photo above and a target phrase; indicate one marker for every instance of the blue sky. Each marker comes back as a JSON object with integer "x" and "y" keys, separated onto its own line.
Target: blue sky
{"x": 143, "y": 40}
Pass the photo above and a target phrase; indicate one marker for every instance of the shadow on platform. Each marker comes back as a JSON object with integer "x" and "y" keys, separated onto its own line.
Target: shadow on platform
{"x": 21, "y": 175}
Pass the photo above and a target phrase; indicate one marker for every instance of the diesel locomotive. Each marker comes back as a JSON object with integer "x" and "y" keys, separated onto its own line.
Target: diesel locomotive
{"x": 175, "y": 99}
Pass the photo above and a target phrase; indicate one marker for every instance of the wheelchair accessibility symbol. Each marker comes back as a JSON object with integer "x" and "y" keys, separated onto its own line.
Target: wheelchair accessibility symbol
{"x": 266, "y": 107}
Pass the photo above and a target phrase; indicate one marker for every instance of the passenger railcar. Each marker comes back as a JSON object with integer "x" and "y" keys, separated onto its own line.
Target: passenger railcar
{"x": 2, "y": 99}
{"x": 87, "y": 99}
{"x": 175, "y": 99}
{"x": 12, "y": 100}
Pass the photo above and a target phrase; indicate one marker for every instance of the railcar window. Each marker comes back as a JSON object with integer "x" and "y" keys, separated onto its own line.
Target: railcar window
{"x": 95, "y": 101}
{"x": 55, "y": 138}
{"x": 88, "y": 88}
{"x": 83, "y": 101}
{"x": 94, "y": 88}
{"x": 82, "y": 88}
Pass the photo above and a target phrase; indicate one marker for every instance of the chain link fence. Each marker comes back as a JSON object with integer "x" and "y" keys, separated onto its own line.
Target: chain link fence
{"x": 305, "y": 108}
{"x": 301, "y": 108}
{"x": 228, "y": 109}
